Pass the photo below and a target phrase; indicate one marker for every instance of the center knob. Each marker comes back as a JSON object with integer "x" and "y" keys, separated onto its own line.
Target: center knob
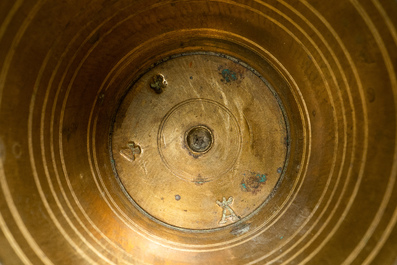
{"x": 199, "y": 139}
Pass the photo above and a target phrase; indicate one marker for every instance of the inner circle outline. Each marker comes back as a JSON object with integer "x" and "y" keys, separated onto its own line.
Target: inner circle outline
{"x": 173, "y": 109}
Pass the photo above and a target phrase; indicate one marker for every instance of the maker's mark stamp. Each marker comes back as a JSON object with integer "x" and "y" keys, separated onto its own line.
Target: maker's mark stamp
{"x": 225, "y": 205}
{"x": 131, "y": 152}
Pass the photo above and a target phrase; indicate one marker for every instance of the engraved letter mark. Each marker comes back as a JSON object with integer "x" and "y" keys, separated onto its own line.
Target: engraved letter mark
{"x": 225, "y": 204}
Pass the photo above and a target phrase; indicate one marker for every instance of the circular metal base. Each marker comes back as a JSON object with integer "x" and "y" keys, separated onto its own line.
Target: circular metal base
{"x": 214, "y": 138}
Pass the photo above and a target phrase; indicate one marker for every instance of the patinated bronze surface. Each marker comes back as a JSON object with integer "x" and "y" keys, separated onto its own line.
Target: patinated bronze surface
{"x": 218, "y": 130}
{"x": 198, "y": 132}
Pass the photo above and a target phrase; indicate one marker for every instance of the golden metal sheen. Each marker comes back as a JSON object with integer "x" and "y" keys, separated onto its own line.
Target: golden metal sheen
{"x": 198, "y": 132}
{"x": 244, "y": 141}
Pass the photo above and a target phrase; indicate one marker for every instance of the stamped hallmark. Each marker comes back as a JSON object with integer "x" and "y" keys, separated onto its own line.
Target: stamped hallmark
{"x": 199, "y": 180}
{"x": 158, "y": 83}
{"x": 131, "y": 152}
{"x": 225, "y": 204}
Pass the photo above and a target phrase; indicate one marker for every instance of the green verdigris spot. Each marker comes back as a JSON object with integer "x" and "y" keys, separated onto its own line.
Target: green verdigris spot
{"x": 253, "y": 182}
{"x": 229, "y": 75}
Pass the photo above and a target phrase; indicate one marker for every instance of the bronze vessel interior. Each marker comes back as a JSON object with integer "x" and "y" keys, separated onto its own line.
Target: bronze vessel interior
{"x": 198, "y": 132}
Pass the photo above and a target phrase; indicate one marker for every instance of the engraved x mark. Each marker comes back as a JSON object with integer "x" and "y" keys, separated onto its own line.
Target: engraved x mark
{"x": 130, "y": 152}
